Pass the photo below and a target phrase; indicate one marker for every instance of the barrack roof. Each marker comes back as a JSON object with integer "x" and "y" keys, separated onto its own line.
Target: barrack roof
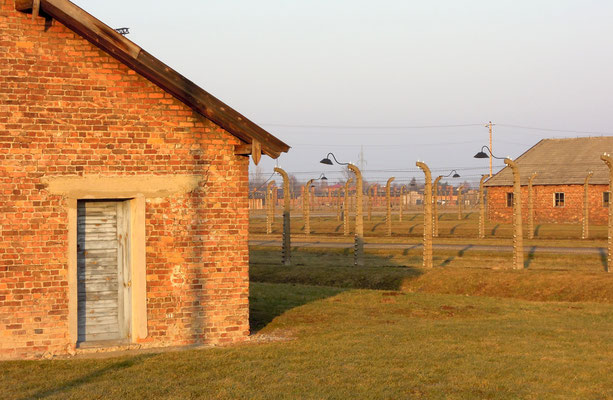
{"x": 560, "y": 162}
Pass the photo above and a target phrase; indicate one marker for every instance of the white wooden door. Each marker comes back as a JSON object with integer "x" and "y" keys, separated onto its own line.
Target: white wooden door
{"x": 103, "y": 271}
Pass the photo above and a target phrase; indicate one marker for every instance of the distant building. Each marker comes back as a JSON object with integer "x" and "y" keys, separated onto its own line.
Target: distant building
{"x": 561, "y": 166}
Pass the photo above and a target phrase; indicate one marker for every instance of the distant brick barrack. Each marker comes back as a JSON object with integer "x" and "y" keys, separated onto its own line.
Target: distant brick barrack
{"x": 559, "y": 187}
{"x": 78, "y": 124}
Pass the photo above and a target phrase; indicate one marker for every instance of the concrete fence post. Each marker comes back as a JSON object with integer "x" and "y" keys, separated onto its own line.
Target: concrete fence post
{"x": 306, "y": 207}
{"x": 482, "y": 207}
{"x": 435, "y": 205}
{"x": 358, "y": 255}
{"x": 275, "y": 199}
{"x": 427, "y": 262}
{"x": 313, "y": 199}
{"x": 286, "y": 249}
{"x": 376, "y": 195}
{"x": 518, "y": 237}
{"x": 585, "y": 232}
{"x": 300, "y": 199}
{"x": 389, "y": 205}
{"x": 609, "y": 161}
{"x": 460, "y": 200}
{"x": 401, "y": 205}
{"x": 269, "y": 206}
{"x": 531, "y": 206}
{"x": 346, "y": 208}
{"x": 370, "y": 194}
{"x": 338, "y": 204}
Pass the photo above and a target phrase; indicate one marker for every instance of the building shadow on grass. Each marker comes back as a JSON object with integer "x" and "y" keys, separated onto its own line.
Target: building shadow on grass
{"x": 63, "y": 388}
{"x": 268, "y": 301}
{"x": 315, "y": 275}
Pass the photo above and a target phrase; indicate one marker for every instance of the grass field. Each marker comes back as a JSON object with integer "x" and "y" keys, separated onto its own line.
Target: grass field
{"x": 361, "y": 344}
{"x": 452, "y": 332}
{"x": 550, "y": 277}
{"x": 412, "y": 227}
{"x": 326, "y": 264}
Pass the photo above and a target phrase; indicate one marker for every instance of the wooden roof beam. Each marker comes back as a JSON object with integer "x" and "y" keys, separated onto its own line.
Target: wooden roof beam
{"x": 254, "y": 149}
{"x": 24, "y": 5}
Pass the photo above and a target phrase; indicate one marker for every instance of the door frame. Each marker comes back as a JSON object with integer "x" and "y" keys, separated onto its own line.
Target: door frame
{"x": 137, "y": 330}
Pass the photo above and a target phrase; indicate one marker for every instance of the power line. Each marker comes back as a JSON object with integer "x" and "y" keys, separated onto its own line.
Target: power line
{"x": 442, "y": 126}
{"x": 534, "y": 128}
{"x": 392, "y": 127}
{"x": 384, "y": 145}
{"x": 398, "y": 145}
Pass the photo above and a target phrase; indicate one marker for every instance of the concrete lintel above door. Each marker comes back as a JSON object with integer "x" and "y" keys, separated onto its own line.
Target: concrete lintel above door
{"x": 96, "y": 186}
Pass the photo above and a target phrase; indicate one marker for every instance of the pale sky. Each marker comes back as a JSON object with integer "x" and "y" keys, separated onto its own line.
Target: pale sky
{"x": 359, "y": 68}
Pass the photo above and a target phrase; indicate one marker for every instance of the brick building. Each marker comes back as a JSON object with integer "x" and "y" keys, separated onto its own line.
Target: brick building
{"x": 124, "y": 208}
{"x": 561, "y": 167}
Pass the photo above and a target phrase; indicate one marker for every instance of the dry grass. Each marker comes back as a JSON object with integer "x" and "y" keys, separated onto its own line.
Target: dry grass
{"x": 550, "y": 277}
{"x": 361, "y": 344}
{"x": 525, "y": 284}
{"x": 412, "y": 227}
{"x": 430, "y": 340}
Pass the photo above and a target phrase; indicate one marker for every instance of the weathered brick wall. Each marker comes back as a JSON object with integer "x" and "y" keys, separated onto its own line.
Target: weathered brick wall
{"x": 67, "y": 108}
{"x": 544, "y": 210}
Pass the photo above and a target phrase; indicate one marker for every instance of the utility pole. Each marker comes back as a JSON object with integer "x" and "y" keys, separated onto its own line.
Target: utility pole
{"x": 609, "y": 161}
{"x": 489, "y": 125}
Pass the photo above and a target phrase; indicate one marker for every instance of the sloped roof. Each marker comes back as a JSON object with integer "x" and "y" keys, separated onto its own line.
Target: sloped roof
{"x": 560, "y": 162}
{"x": 124, "y": 50}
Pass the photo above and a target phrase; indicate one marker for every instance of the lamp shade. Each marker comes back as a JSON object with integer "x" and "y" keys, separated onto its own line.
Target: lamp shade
{"x": 326, "y": 161}
{"x": 481, "y": 154}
